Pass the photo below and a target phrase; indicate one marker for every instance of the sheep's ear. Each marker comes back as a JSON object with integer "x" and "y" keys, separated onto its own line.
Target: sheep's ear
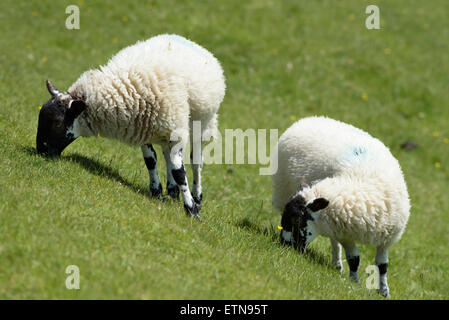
{"x": 74, "y": 110}
{"x": 318, "y": 204}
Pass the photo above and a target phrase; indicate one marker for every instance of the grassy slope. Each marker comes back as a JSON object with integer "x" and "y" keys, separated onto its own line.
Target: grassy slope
{"x": 282, "y": 62}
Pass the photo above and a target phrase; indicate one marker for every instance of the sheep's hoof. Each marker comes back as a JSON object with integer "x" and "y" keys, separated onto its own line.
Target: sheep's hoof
{"x": 198, "y": 200}
{"x": 193, "y": 212}
{"x": 338, "y": 267}
{"x": 156, "y": 192}
{"x": 384, "y": 292}
{"x": 354, "y": 277}
{"x": 173, "y": 192}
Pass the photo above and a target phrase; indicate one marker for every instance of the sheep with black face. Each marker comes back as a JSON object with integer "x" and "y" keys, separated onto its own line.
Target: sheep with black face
{"x": 148, "y": 93}
{"x": 56, "y": 118}
{"x": 357, "y": 191}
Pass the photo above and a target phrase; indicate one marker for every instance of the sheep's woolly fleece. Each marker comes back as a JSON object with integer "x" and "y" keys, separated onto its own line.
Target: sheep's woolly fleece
{"x": 149, "y": 90}
{"x": 363, "y": 182}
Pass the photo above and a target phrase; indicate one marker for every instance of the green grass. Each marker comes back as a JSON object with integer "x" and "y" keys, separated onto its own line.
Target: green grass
{"x": 283, "y": 60}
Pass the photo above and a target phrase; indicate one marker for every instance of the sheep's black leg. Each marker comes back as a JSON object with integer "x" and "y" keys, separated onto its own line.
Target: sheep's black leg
{"x": 179, "y": 175}
{"x": 382, "y": 264}
{"x": 149, "y": 155}
{"x": 197, "y": 165}
{"x": 172, "y": 187}
{"x": 353, "y": 258}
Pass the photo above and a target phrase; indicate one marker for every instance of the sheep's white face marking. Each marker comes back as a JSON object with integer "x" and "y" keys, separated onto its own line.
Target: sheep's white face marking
{"x": 74, "y": 130}
{"x": 310, "y": 232}
{"x": 305, "y": 232}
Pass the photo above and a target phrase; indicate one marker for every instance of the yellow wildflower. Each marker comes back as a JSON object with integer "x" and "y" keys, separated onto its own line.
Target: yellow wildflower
{"x": 437, "y": 164}
{"x": 280, "y": 228}
{"x": 364, "y": 96}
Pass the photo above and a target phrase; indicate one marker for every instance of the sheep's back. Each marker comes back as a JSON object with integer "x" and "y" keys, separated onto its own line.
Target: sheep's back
{"x": 174, "y": 55}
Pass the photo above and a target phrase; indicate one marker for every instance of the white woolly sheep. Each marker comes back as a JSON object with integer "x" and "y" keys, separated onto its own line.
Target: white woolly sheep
{"x": 148, "y": 93}
{"x": 357, "y": 192}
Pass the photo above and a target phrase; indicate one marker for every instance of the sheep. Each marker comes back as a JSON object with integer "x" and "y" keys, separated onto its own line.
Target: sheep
{"x": 148, "y": 93}
{"x": 338, "y": 181}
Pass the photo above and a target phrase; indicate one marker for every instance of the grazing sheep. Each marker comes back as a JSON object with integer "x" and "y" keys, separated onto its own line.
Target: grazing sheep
{"x": 357, "y": 192}
{"x": 148, "y": 93}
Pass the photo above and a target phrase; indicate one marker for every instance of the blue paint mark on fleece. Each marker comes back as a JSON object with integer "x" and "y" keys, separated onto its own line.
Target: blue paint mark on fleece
{"x": 186, "y": 43}
{"x": 355, "y": 153}
{"x": 359, "y": 151}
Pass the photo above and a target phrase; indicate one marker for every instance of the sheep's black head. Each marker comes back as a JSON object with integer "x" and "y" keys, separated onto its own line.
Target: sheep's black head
{"x": 297, "y": 221}
{"x": 54, "y": 130}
